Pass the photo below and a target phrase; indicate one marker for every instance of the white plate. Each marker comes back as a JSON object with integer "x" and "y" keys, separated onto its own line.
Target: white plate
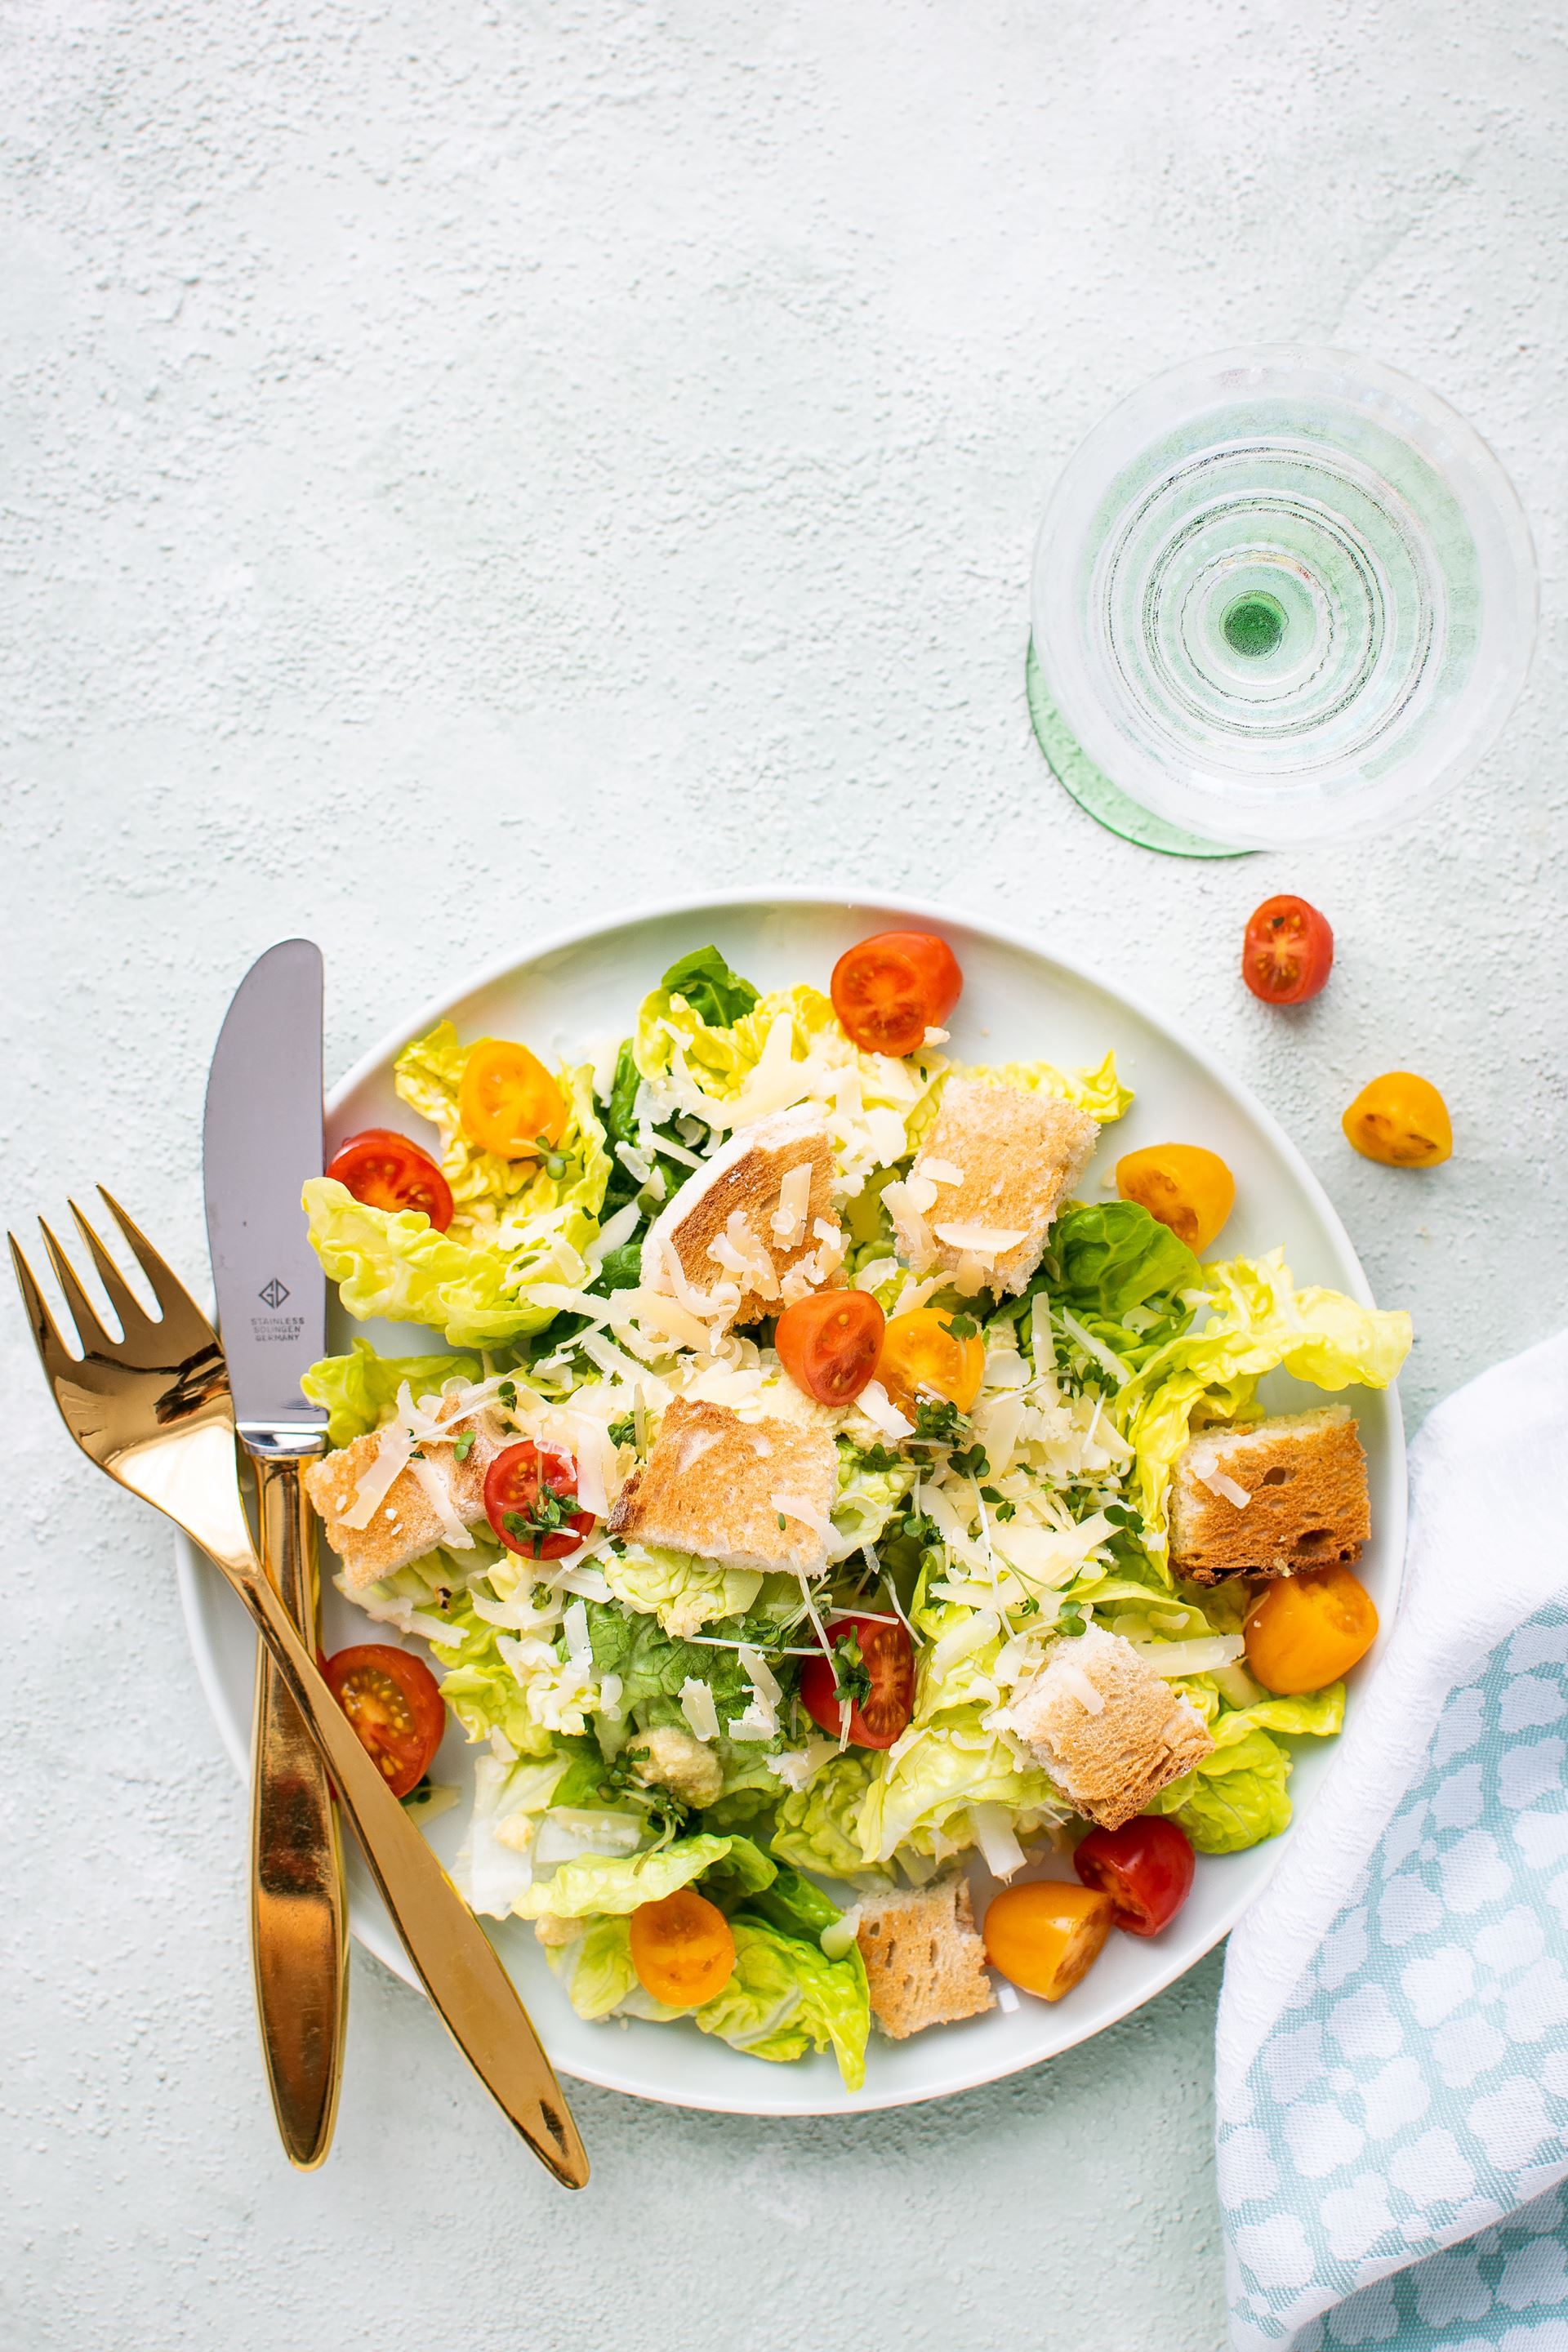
{"x": 1018, "y": 1003}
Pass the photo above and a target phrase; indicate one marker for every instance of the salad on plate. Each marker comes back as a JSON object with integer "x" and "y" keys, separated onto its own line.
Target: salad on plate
{"x": 821, "y": 1485}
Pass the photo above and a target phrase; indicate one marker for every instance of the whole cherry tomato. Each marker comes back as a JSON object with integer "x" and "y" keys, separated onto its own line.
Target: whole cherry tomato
{"x": 394, "y": 1704}
{"x": 682, "y": 1948}
{"x": 1187, "y": 1188}
{"x": 873, "y": 1665}
{"x": 1288, "y": 952}
{"x": 1307, "y": 1630}
{"x": 1146, "y": 1867}
{"x": 386, "y": 1171}
{"x": 829, "y": 1343}
{"x": 529, "y": 1491}
{"x": 891, "y": 989}
{"x": 508, "y": 1102}
{"x": 1046, "y": 1935}
{"x": 1402, "y": 1120}
{"x": 921, "y": 1351}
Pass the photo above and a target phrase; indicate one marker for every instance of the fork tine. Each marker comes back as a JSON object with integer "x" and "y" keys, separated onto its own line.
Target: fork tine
{"x": 167, "y": 1288}
{"x": 121, "y": 1297}
{"x": 58, "y": 1359}
{"x": 89, "y": 1323}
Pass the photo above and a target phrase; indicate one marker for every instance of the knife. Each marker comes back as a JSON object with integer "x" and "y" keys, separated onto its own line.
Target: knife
{"x": 262, "y": 1140}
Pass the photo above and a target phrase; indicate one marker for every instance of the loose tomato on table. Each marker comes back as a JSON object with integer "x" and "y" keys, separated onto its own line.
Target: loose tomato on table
{"x": 892, "y": 988}
{"x": 386, "y": 1170}
{"x": 531, "y": 1501}
{"x": 394, "y": 1704}
{"x": 1188, "y": 1189}
{"x": 1402, "y": 1120}
{"x": 871, "y": 1664}
{"x": 1307, "y": 1630}
{"x": 1046, "y": 1935}
{"x": 829, "y": 1343}
{"x": 682, "y": 1948}
{"x": 1288, "y": 951}
{"x": 922, "y": 1351}
{"x": 1145, "y": 1867}
{"x": 508, "y": 1102}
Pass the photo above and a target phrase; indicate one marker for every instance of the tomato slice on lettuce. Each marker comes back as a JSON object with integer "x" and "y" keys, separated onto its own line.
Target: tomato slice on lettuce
{"x": 386, "y": 1171}
{"x": 870, "y": 1665}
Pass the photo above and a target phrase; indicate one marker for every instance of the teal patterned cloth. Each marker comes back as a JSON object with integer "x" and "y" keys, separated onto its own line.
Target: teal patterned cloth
{"x": 1393, "y": 2056}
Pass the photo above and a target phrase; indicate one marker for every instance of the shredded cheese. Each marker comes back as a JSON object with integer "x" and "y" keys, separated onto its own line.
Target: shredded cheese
{"x": 1218, "y": 1483}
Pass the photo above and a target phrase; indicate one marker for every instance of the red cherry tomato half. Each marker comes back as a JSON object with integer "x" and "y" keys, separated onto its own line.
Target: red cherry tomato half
{"x": 829, "y": 1343}
{"x": 529, "y": 1490}
{"x": 394, "y": 1704}
{"x": 874, "y": 1661}
{"x": 1146, "y": 1868}
{"x": 1289, "y": 952}
{"x": 891, "y": 989}
{"x": 386, "y": 1171}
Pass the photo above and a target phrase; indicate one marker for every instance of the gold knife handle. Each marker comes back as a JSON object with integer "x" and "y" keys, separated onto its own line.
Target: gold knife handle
{"x": 298, "y": 1929}
{"x": 454, "y": 1958}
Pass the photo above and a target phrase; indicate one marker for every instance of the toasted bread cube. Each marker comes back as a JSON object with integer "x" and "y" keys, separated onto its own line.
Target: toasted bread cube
{"x": 925, "y": 1961}
{"x": 987, "y": 1182}
{"x": 1105, "y": 1728}
{"x": 1303, "y": 1475}
{"x": 737, "y": 1223}
{"x": 746, "y": 1494}
{"x": 405, "y": 1524}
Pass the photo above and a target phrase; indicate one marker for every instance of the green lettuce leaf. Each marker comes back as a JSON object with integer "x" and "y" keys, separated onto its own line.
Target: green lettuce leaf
{"x": 795, "y": 1904}
{"x": 786, "y": 1997}
{"x": 817, "y": 1825}
{"x": 654, "y": 1667}
{"x": 1112, "y": 1256}
{"x": 597, "y": 1883}
{"x": 360, "y": 1390}
{"x": 680, "y": 1592}
{"x": 1260, "y": 1323}
{"x": 867, "y": 1498}
{"x": 494, "y": 1681}
{"x": 1235, "y": 1798}
{"x": 1099, "y": 1091}
{"x": 597, "y": 1968}
{"x": 715, "y": 993}
{"x": 928, "y": 1793}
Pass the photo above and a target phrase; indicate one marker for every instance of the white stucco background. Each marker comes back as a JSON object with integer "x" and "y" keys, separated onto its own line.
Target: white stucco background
{"x": 469, "y": 461}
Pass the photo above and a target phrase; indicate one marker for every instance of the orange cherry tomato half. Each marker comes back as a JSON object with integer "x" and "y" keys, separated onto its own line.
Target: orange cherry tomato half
{"x": 682, "y": 1948}
{"x": 1402, "y": 1120}
{"x": 829, "y": 1343}
{"x": 1146, "y": 1867}
{"x": 1288, "y": 951}
{"x": 508, "y": 1102}
{"x": 1305, "y": 1631}
{"x": 394, "y": 1704}
{"x": 528, "y": 1493}
{"x": 1188, "y": 1189}
{"x": 875, "y": 1664}
{"x": 921, "y": 1352}
{"x": 386, "y": 1171}
{"x": 1047, "y": 1935}
{"x": 892, "y": 988}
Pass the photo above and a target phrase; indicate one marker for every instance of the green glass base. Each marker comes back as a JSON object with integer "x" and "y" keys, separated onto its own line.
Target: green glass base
{"x": 1093, "y": 790}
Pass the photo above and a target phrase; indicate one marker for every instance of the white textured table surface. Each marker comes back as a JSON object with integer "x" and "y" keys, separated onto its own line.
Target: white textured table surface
{"x": 464, "y": 464}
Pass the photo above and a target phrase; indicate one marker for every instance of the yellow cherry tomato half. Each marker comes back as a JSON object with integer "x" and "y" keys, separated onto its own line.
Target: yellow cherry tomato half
{"x": 1402, "y": 1120}
{"x": 1048, "y": 1936}
{"x": 1308, "y": 1631}
{"x": 919, "y": 1350}
{"x": 683, "y": 1949}
{"x": 1187, "y": 1188}
{"x": 508, "y": 1102}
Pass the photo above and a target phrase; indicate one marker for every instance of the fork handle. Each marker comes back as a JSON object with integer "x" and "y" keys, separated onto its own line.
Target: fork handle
{"x": 298, "y": 1935}
{"x": 452, "y": 1956}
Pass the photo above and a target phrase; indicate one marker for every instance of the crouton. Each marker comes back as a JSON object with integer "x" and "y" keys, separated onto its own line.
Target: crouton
{"x": 925, "y": 1962}
{"x": 1105, "y": 1728}
{"x": 405, "y": 1524}
{"x": 985, "y": 1185}
{"x": 747, "y": 1494}
{"x": 734, "y": 1226}
{"x": 1283, "y": 1496}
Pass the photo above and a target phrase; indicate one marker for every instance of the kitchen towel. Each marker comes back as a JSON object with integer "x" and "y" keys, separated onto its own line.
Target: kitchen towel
{"x": 1393, "y": 2046}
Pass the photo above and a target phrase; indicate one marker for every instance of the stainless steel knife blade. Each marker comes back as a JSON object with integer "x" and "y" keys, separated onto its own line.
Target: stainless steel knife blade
{"x": 262, "y": 1140}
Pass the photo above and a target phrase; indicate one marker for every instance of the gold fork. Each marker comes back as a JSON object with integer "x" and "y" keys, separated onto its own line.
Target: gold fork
{"x": 153, "y": 1409}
